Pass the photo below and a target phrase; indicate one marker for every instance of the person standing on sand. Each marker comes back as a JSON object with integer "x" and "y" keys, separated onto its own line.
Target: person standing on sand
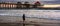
{"x": 23, "y": 19}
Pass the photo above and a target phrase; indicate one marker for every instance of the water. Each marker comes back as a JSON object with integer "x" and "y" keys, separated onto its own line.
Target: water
{"x": 54, "y": 14}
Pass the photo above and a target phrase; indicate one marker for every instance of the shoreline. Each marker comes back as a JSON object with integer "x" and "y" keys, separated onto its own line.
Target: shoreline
{"x": 17, "y": 21}
{"x": 29, "y": 22}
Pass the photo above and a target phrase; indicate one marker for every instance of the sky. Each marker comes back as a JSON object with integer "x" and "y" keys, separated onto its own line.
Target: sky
{"x": 42, "y": 1}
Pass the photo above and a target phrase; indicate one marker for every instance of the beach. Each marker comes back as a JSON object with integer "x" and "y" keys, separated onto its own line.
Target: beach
{"x": 17, "y": 21}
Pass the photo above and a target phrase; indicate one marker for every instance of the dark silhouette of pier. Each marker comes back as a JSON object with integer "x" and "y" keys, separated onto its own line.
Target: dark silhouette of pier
{"x": 25, "y": 5}
{"x": 19, "y": 5}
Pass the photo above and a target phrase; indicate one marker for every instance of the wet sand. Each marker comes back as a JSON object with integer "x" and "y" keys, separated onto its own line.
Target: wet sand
{"x": 17, "y": 21}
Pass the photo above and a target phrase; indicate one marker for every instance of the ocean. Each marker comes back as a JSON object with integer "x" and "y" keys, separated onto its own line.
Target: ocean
{"x": 55, "y": 14}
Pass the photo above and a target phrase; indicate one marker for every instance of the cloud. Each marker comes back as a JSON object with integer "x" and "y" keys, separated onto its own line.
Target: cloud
{"x": 28, "y": 0}
{"x": 42, "y": 1}
{"x": 48, "y": 0}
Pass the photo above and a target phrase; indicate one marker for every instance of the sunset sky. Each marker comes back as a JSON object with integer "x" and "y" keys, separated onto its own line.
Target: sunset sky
{"x": 42, "y": 1}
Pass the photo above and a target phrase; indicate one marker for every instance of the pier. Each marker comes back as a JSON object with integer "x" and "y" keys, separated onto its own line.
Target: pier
{"x": 19, "y": 5}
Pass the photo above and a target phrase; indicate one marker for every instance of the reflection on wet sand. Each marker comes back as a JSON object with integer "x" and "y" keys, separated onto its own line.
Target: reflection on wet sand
{"x": 17, "y": 21}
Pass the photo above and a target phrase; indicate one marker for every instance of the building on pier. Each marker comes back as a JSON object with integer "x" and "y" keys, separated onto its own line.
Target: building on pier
{"x": 36, "y": 4}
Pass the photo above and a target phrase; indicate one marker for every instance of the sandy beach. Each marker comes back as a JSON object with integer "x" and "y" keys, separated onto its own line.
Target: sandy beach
{"x": 17, "y": 21}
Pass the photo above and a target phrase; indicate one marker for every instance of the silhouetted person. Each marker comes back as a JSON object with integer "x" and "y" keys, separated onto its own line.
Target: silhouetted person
{"x": 23, "y": 19}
